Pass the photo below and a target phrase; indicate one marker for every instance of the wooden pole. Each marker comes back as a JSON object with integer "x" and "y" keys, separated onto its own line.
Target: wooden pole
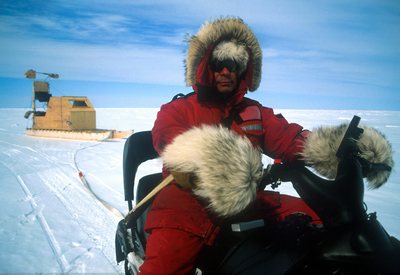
{"x": 140, "y": 207}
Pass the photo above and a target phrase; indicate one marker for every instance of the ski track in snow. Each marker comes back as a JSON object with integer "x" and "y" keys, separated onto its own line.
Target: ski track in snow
{"x": 63, "y": 183}
{"x": 62, "y": 261}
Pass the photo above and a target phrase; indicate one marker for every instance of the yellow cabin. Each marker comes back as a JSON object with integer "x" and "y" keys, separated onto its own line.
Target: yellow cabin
{"x": 66, "y": 113}
{"x": 63, "y": 112}
{"x": 70, "y": 117}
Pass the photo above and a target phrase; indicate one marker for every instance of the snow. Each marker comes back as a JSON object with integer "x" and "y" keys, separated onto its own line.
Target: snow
{"x": 50, "y": 222}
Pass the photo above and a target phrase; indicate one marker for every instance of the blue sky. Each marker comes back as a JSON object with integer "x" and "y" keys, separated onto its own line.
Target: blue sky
{"x": 316, "y": 54}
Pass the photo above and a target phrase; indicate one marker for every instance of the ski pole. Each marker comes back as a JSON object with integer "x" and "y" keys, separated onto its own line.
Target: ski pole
{"x": 140, "y": 207}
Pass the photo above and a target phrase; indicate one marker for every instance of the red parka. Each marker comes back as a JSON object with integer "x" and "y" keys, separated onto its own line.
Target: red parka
{"x": 178, "y": 223}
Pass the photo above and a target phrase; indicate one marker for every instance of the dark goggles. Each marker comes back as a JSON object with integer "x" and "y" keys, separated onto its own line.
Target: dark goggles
{"x": 219, "y": 65}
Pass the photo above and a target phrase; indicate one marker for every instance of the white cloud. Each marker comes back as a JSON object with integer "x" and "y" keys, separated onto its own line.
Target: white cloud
{"x": 92, "y": 62}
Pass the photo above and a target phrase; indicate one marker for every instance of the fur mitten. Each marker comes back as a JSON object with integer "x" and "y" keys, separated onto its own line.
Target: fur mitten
{"x": 227, "y": 167}
{"x": 321, "y": 146}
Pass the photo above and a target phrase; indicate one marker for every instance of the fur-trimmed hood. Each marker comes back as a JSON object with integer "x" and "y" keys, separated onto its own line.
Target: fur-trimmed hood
{"x": 227, "y": 166}
{"x": 227, "y": 29}
{"x": 321, "y": 147}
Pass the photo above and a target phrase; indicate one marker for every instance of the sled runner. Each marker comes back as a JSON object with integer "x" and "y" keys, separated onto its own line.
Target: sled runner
{"x": 350, "y": 240}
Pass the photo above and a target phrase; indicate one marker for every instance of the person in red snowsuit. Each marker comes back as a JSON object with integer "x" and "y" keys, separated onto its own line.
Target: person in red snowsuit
{"x": 223, "y": 64}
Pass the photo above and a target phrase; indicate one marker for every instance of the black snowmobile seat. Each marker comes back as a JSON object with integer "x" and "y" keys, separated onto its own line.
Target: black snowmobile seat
{"x": 138, "y": 149}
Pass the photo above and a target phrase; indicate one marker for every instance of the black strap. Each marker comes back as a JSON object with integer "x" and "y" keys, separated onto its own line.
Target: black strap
{"x": 180, "y": 95}
{"x": 227, "y": 122}
{"x": 233, "y": 115}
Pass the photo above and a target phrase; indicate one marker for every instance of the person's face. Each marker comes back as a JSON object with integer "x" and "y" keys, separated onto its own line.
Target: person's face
{"x": 225, "y": 77}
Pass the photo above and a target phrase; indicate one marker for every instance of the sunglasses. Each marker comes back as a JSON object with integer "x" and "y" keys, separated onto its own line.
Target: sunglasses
{"x": 219, "y": 65}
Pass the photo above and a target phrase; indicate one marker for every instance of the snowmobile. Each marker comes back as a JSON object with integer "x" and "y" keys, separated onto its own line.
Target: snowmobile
{"x": 350, "y": 240}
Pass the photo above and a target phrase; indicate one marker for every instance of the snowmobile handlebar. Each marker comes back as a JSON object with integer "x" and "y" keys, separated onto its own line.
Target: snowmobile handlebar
{"x": 338, "y": 201}
{"x": 352, "y": 134}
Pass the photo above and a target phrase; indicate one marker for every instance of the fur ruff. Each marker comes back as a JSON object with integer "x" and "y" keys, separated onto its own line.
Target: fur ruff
{"x": 321, "y": 146}
{"x": 227, "y": 166}
{"x": 234, "y": 51}
{"x": 214, "y": 32}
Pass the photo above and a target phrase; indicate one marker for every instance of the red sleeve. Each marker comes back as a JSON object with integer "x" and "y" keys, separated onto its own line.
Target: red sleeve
{"x": 172, "y": 120}
{"x": 282, "y": 140}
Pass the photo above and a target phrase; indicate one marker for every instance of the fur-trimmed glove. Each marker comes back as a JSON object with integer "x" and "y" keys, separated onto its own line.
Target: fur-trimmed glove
{"x": 227, "y": 167}
{"x": 321, "y": 146}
